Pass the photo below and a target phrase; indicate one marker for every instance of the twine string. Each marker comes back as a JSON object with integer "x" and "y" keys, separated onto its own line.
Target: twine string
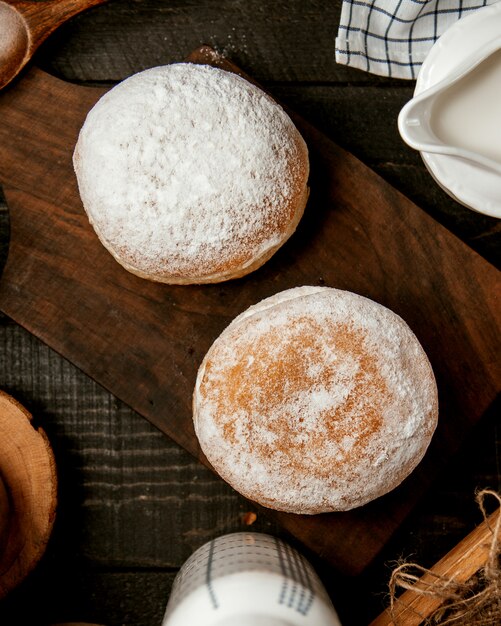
{"x": 475, "y": 602}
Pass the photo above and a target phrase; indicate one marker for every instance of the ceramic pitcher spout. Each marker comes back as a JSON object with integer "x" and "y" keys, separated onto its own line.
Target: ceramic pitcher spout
{"x": 415, "y": 122}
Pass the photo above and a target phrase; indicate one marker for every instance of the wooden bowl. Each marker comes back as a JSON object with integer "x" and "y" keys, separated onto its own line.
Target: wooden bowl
{"x": 27, "y": 493}
{"x": 4, "y": 515}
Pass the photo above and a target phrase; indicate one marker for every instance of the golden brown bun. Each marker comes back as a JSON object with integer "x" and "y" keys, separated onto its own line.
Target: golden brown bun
{"x": 315, "y": 400}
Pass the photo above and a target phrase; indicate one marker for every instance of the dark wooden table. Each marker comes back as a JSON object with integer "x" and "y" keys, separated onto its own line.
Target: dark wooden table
{"x": 132, "y": 504}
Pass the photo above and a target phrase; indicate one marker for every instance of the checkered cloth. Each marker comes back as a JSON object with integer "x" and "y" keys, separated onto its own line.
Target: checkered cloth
{"x": 392, "y": 37}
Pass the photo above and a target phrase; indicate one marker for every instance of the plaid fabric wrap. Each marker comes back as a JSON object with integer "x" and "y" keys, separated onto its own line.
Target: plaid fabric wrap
{"x": 393, "y": 37}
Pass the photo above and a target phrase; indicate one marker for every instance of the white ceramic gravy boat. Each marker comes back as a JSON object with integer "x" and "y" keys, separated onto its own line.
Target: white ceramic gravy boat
{"x": 416, "y": 121}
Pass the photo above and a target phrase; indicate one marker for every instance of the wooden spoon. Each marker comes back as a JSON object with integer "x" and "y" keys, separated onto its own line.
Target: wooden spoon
{"x": 25, "y": 25}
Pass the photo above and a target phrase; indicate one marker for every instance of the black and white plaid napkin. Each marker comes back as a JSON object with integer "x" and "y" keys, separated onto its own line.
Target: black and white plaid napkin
{"x": 393, "y": 37}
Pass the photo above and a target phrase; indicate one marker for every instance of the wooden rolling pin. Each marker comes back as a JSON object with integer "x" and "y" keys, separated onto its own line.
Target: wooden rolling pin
{"x": 460, "y": 564}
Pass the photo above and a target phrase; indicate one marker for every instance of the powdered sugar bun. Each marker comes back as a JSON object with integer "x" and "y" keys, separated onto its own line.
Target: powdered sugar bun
{"x": 190, "y": 174}
{"x": 315, "y": 400}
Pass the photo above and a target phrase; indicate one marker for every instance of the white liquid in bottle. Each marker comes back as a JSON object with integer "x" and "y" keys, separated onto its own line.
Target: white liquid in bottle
{"x": 248, "y": 579}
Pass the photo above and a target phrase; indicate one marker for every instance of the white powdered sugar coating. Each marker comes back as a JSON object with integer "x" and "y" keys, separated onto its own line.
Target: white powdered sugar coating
{"x": 188, "y": 171}
{"x": 315, "y": 400}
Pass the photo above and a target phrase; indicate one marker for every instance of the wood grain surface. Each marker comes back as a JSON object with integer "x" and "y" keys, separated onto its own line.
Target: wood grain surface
{"x": 144, "y": 341}
{"x": 133, "y": 505}
{"x": 28, "y": 474}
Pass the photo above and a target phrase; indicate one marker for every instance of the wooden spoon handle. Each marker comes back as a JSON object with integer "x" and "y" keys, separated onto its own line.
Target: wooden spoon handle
{"x": 460, "y": 564}
{"x": 43, "y": 18}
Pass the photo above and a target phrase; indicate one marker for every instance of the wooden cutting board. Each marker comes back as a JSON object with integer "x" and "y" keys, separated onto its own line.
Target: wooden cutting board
{"x": 144, "y": 341}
